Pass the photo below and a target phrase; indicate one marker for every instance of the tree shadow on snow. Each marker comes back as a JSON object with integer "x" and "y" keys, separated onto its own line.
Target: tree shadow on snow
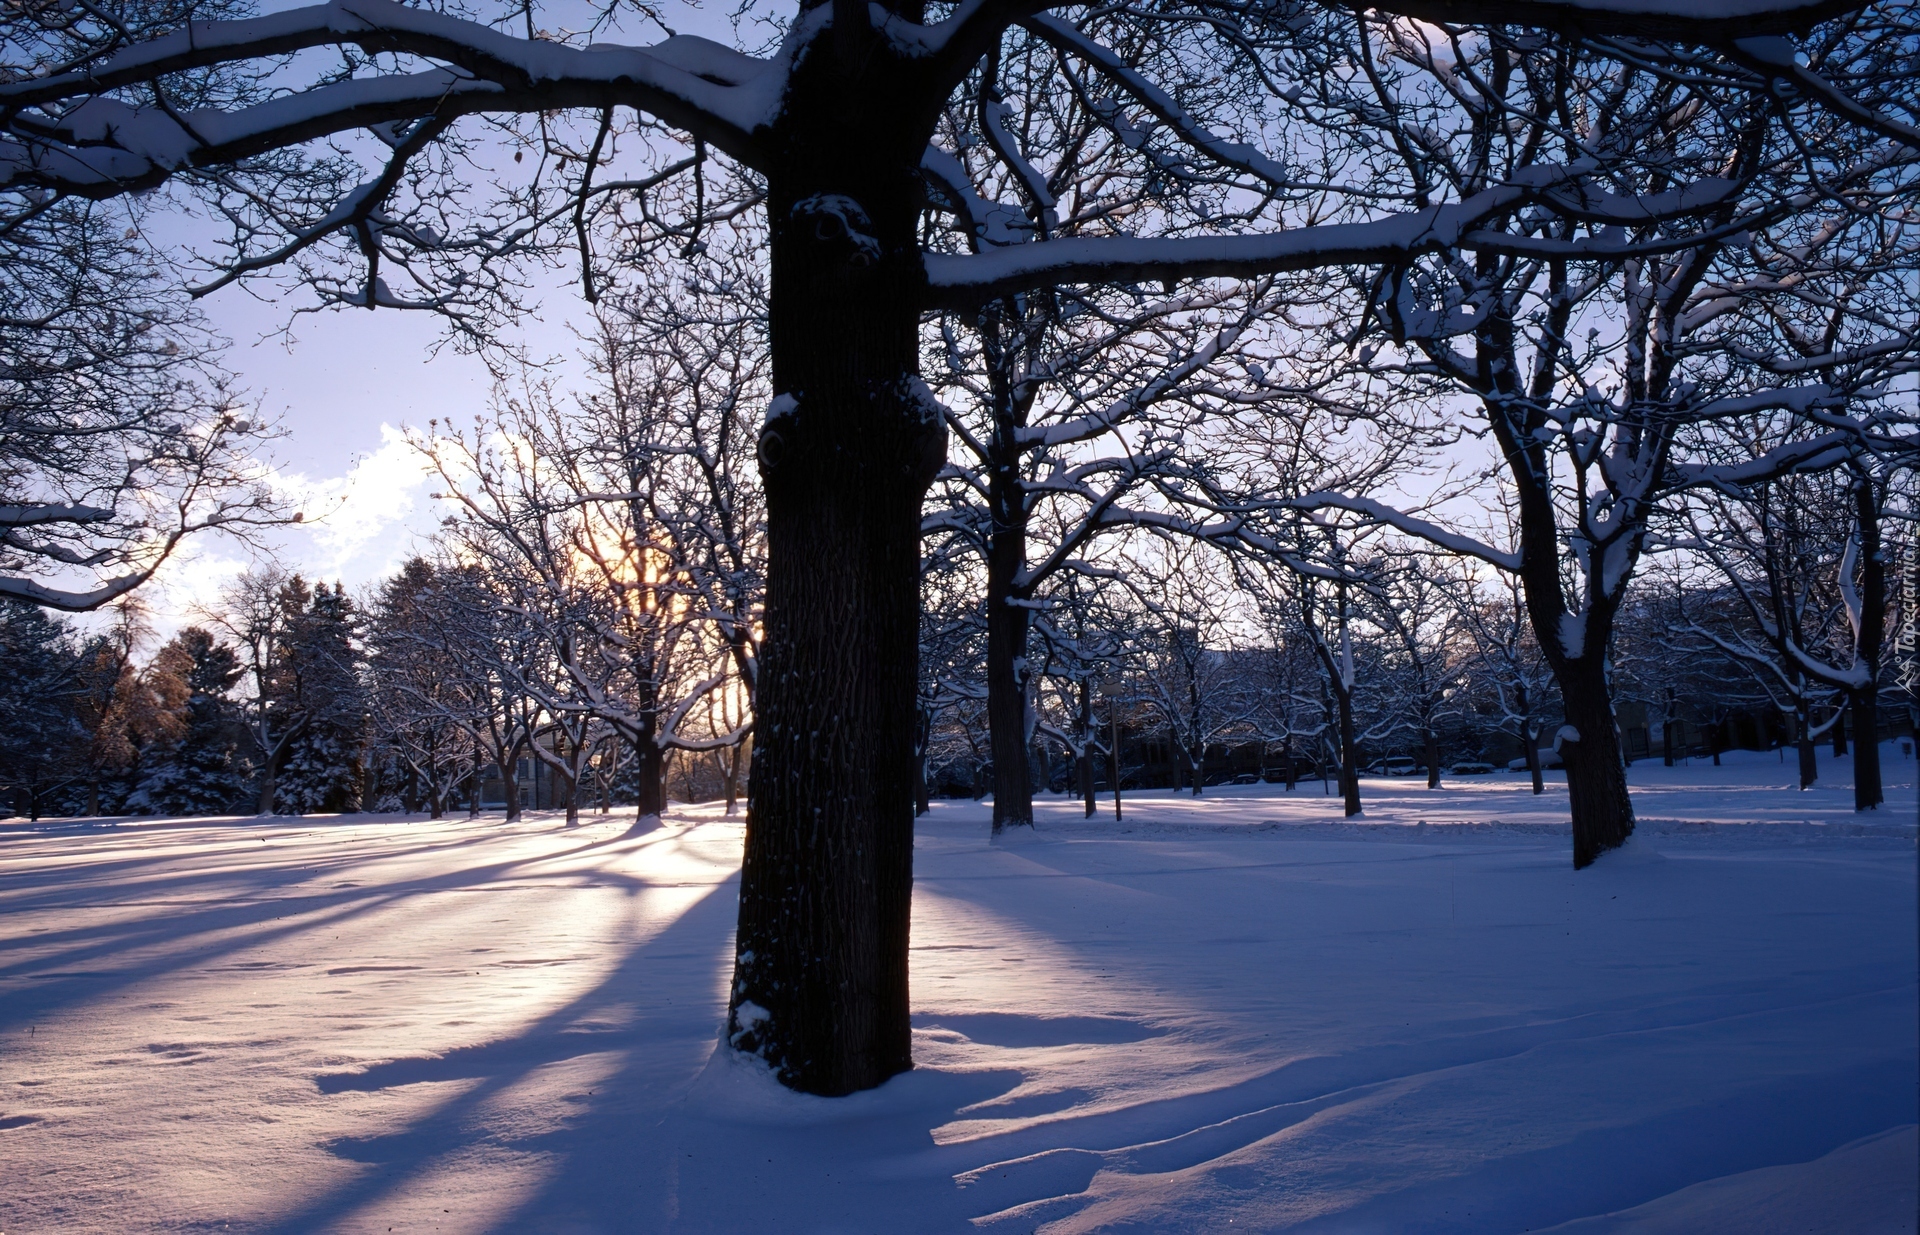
{"x": 659, "y": 1005}
{"x": 198, "y": 919}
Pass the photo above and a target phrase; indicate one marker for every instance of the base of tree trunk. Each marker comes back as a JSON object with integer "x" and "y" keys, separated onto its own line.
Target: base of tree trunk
{"x": 1597, "y": 795}
{"x": 1868, "y": 791}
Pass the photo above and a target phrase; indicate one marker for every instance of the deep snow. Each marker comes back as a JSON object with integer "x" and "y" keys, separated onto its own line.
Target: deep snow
{"x": 1235, "y": 1013}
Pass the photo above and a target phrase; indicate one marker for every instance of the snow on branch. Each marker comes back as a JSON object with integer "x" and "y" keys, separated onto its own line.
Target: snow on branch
{"x": 959, "y": 281}
{"x": 1812, "y": 455}
{"x": 1401, "y": 521}
{"x": 41, "y": 515}
{"x": 13, "y": 587}
{"x": 104, "y": 146}
{"x": 1776, "y": 57}
{"x": 1240, "y": 155}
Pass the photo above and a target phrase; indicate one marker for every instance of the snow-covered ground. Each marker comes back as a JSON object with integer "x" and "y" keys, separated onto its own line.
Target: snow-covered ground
{"x": 1235, "y": 1013}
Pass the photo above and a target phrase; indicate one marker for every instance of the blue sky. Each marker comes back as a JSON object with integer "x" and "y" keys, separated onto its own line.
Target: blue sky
{"x": 342, "y": 390}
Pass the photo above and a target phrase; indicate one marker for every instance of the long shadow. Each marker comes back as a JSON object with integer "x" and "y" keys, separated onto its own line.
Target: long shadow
{"x": 99, "y": 873}
{"x": 660, "y": 995}
{"x": 66, "y": 986}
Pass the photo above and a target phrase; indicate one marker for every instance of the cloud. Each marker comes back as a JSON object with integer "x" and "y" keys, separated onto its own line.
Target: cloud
{"x": 356, "y": 530}
{"x": 356, "y": 525}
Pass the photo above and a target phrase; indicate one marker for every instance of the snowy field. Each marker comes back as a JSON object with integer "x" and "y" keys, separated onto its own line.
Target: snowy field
{"x": 1236, "y": 1013}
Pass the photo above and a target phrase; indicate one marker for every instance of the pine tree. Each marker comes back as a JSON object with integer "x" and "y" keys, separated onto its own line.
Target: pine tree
{"x": 206, "y": 771}
{"x": 318, "y": 680}
{"x": 39, "y": 730}
{"x": 131, "y": 719}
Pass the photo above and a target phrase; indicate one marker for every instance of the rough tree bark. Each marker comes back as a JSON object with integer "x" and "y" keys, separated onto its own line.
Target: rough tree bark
{"x": 1008, "y": 625}
{"x": 1868, "y": 792}
{"x": 1596, "y": 772}
{"x": 850, "y": 447}
{"x": 1597, "y": 798}
{"x": 1803, "y": 740}
{"x": 1083, "y": 762}
{"x": 650, "y": 775}
{"x": 1349, "y": 756}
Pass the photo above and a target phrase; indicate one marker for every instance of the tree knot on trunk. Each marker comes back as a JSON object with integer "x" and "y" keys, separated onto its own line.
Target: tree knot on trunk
{"x": 840, "y": 225}
{"x": 782, "y": 414}
{"x": 929, "y": 426}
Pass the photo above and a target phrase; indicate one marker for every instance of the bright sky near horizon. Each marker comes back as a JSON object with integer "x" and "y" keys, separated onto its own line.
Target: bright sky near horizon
{"x": 341, "y": 390}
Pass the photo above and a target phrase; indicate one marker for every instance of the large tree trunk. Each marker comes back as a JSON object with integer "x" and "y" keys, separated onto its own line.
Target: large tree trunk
{"x": 922, "y": 738}
{"x": 1349, "y": 756}
{"x": 820, "y": 973}
{"x": 1868, "y": 792}
{"x": 1433, "y": 758}
{"x": 1803, "y": 743}
{"x": 1596, "y": 773}
{"x": 1007, "y": 626}
{"x": 650, "y": 772}
{"x": 1840, "y": 731}
{"x": 268, "y": 773}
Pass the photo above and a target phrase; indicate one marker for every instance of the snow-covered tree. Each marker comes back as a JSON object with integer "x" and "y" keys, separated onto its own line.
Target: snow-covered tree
{"x": 418, "y": 685}
{"x": 317, "y": 683}
{"x": 130, "y": 715}
{"x": 1187, "y": 668}
{"x": 254, "y": 612}
{"x": 680, "y": 368}
{"x": 40, "y": 681}
{"x": 1506, "y": 668}
{"x": 120, "y": 436}
{"x": 1083, "y": 634}
{"x": 205, "y": 770}
{"x": 621, "y": 538}
{"x": 1802, "y": 561}
{"x": 1768, "y": 269}
{"x": 1420, "y": 667}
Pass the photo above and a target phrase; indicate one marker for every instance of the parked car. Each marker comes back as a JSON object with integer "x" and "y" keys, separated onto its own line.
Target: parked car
{"x": 1548, "y": 759}
{"x": 1471, "y": 769}
{"x": 1247, "y": 778}
{"x": 1400, "y": 765}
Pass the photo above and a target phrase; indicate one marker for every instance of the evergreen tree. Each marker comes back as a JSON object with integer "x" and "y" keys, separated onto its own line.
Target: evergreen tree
{"x": 206, "y": 772}
{"x": 318, "y": 681}
{"x": 422, "y": 703}
{"x": 39, "y": 729}
{"x": 131, "y": 719}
